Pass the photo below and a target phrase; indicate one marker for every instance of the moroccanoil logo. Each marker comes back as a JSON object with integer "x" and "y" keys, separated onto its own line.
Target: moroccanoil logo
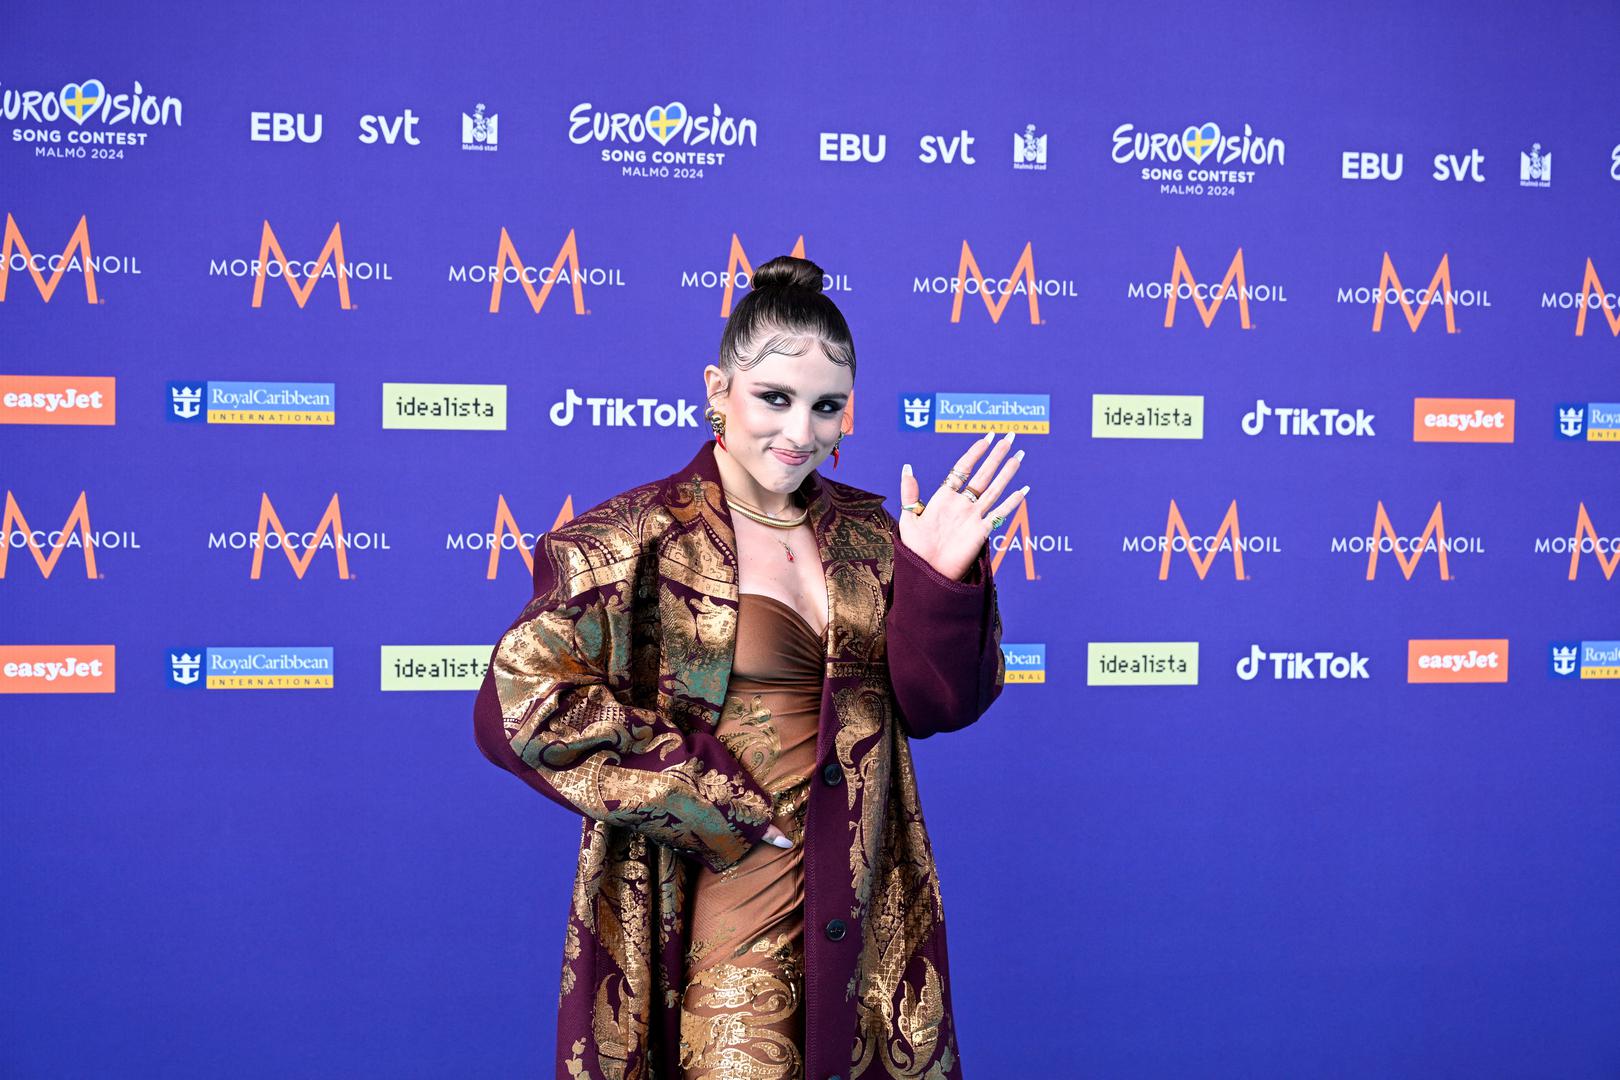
{"x": 274, "y": 263}
{"x": 1585, "y": 539}
{"x": 57, "y": 669}
{"x": 1415, "y": 303}
{"x": 1407, "y": 549}
{"x": 15, "y": 532}
{"x": 1183, "y": 286}
{"x": 1592, "y": 295}
{"x": 76, "y": 257}
{"x": 58, "y": 399}
{"x": 1019, "y": 538}
{"x": 970, "y": 279}
{"x": 1457, "y": 660}
{"x": 564, "y": 270}
{"x": 272, "y": 534}
{"x": 505, "y": 535}
{"x": 1177, "y": 537}
{"x": 739, "y": 274}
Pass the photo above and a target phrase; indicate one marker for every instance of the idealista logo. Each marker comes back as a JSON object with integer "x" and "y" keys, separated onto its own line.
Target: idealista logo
{"x": 57, "y": 669}
{"x": 1457, "y": 660}
{"x": 193, "y": 402}
{"x": 273, "y": 262}
{"x": 1583, "y": 540}
{"x": 1593, "y": 421}
{"x": 444, "y": 406}
{"x": 296, "y": 667}
{"x": 480, "y": 132}
{"x": 625, "y": 412}
{"x": 1589, "y": 298}
{"x": 1294, "y": 420}
{"x": 434, "y": 667}
{"x": 1391, "y": 291}
{"x": 15, "y": 532}
{"x": 1584, "y": 660}
{"x": 1019, "y": 538}
{"x": 113, "y": 119}
{"x": 1201, "y": 550}
{"x": 329, "y": 534}
{"x": 510, "y": 269}
{"x": 970, "y": 280}
{"x": 1385, "y": 539}
{"x": 58, "y": 399}
{"x": 739, "y": 273}
{"x": 1470, "y": 420}
{"x": 1205, "y": 147}
{"x": 1147, "y": 416}
{"x": 505, "y": 535}
{"x": 1295, "y": 666}
{"x": 1206, "y": 296}
{"x": 625, "y": 137}
{"x": 75, "y": 258}
{"x": 1142, "y": 663}
{"x": 1023, "y": 663}
{"x": 960, "y": 413}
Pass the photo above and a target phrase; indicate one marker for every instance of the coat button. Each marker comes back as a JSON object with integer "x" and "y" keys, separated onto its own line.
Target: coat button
{"x": 835, "y": 929}
{"x": 833, "y": 774}
{"x": 835, "y": 1076}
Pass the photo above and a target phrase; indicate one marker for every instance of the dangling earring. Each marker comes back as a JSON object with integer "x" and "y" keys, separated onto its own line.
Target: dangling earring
{"x": 835, "y": 448}
{"x": 717, "y": 421}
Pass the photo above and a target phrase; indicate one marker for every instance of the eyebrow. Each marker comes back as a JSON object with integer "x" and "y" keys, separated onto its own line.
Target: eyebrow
{"x": 788, "y": 390}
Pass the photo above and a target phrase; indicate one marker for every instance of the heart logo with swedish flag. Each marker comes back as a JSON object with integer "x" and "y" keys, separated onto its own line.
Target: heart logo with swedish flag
{"x": 663, "y": 121}
{"x": 1200, "y": 141}
{"x": 79, "y": 100}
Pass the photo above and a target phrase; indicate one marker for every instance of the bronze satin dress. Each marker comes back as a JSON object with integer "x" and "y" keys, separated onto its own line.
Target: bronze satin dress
{"x": 742, "y": 1009}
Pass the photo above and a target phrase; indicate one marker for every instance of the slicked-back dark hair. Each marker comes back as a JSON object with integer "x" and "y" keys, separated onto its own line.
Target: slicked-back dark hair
{"x": 785, "y": 307}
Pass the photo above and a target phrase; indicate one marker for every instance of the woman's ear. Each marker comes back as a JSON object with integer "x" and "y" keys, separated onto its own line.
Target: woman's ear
{"x": 715, "y": 383}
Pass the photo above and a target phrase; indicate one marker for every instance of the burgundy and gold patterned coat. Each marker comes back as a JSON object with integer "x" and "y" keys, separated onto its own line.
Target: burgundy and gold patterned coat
{"x": 604, "y": 696}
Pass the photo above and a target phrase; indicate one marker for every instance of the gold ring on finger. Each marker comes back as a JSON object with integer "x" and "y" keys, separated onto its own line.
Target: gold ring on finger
{"x": 914, "y": 507}
{"x": 954, "y": 478}
{"x": 968, "y": 490}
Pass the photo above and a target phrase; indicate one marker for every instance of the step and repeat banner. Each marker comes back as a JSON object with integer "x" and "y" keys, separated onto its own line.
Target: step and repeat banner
{"x": 313, "y": 320}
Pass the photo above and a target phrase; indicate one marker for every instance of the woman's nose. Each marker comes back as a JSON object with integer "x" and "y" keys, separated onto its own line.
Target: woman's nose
{"x": 799, "y": 429}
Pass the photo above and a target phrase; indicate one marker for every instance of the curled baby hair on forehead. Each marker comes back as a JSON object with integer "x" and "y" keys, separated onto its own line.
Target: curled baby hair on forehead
{"x": 783, "y": 313}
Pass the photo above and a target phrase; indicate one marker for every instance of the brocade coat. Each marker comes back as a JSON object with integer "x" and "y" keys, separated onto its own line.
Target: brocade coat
{"x": 604, "y": 695}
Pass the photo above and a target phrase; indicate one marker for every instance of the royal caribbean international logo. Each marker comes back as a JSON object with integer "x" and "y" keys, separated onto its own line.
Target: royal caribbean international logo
{"x": 1198, "y": 160}
{"x": 480, "y": 132}
{"x": 1584, "y": 660}
{"x": 104, "y": 125}
{"x": 1023, "y": 413}
{"x": 282, "y": 668}
{"x": 639, "y": 143}
{"x": 1592, "y": 421}
{"x": 1025, "y": 663}
{"x": 252, "y": 403}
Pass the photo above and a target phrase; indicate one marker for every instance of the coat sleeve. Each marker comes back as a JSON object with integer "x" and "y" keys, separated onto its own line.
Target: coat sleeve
{"x": 943, "y": 643}
{"x": 553, "y": 711}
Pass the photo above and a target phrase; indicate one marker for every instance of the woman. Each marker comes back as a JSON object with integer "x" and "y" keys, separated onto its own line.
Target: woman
{"x": 720, "y": 671}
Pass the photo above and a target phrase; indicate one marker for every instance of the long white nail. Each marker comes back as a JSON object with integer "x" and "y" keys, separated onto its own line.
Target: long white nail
{"x": 1018, "y": 456}
{"x": 905, "y": 469}
{"x": 1011, "y": 435}
{"x": 782, "y": 842}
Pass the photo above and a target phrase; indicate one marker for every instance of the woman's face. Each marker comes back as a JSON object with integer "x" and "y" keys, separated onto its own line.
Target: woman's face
{"x": 783, "y": 414}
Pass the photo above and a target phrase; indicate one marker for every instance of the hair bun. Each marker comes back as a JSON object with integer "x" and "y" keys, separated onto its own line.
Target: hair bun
{"x": 788, "y": 272}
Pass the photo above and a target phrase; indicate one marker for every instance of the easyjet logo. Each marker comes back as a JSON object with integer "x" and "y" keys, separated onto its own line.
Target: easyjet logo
{"x": 1177, "y": 535}
{"x": 565, "y": 267}
{"x": 1433, "y": 539}
{"x": 16, "y": 532}
{"x": 1591, "y": 289}
{"x": 1390, "y": 287}
{"x": 1181, "y": 274}
{"x": 736, "y": 260}
{"x": 1022, "y": 276}
{"x": 332, "y": 252}
{"x": 1475, "y": 420}
{"x": 1586, "y": 535}
{"x": 506, "y": 526}
{"x": 14, "y": 246}
{"x": 57, "y": 669}
{"x": 1457, "y": 660}
{"x": 58, "y": 399}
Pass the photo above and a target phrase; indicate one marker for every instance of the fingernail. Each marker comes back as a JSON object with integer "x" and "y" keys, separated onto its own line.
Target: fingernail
{"x": 905, "y": 469}
{"x": 1011, "y": 435}
{"x": 1018, "y": 456}
{"x": 1024, "y": 490}
{"x": 782, "y": 842}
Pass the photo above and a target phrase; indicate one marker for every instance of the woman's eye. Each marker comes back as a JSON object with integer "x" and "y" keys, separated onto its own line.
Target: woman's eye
{"x": 774, "y": 399}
